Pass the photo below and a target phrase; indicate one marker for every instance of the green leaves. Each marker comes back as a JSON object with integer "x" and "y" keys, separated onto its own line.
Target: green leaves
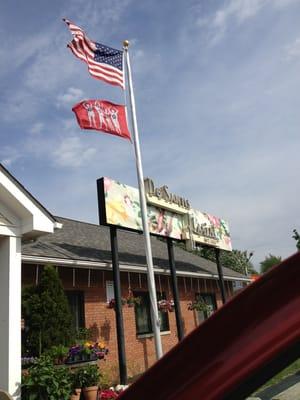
{"x": 296, "y": 236}
{"x": 44, "y": 381}
{"x": 237, "y": 260}
{"x": 269, "y": 262}
{"x": 87, "y": 376}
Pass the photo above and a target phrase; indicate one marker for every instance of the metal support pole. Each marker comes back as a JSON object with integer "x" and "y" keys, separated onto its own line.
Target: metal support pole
{"x": 175, "y": 289}
{"x": 220, "y": 273}
{"x": 140, "y": 176}
{"x": 118, "y": 306}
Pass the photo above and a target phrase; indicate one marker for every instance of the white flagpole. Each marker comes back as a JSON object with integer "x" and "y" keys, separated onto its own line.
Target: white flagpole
{"x": 150, "y": 272}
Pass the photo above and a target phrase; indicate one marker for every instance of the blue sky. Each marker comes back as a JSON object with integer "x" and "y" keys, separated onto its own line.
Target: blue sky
{"x": 217, "y": 87}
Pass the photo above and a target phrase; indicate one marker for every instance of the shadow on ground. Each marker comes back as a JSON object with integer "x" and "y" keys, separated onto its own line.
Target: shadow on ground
{"x": 270, "y": 392}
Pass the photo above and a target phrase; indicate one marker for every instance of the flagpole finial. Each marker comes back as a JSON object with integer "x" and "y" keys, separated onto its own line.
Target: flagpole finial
{"x": 126, "y": 44}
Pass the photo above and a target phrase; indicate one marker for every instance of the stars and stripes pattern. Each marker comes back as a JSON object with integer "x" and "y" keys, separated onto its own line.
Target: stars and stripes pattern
{"x": 104, "y": 63}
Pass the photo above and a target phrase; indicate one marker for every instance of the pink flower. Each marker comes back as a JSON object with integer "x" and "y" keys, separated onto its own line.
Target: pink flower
{"x": 108, "y": 394}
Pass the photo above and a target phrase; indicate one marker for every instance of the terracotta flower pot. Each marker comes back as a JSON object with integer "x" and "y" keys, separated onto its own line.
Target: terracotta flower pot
{"x": 90, "y": 393}
{"x": 76, "y": 394}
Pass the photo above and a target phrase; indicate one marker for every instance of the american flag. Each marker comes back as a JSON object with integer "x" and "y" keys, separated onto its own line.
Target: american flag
{"x": 104, "y": 63}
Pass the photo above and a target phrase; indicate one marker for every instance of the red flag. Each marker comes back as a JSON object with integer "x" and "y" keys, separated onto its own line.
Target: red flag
{"x": 102, "y": 115}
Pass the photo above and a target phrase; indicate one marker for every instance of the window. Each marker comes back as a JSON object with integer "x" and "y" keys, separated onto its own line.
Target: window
{"x": 76, "y": 303}
{"x": 110, "y": 293}
{"x": 143, "y": 316}
{"x": 210, "y": 300}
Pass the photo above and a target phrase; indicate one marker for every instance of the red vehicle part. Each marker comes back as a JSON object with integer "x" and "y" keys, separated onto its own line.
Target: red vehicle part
{"x": 237, "y": 349}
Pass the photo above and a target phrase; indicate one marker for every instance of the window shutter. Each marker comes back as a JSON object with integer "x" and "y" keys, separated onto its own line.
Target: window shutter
{"x": 110, "y": 294}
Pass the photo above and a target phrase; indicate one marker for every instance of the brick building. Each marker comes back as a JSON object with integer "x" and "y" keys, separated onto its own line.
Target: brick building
{"x": 81, "y": 252}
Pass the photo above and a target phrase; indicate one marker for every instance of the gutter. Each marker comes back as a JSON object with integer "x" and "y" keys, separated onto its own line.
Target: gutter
{"x": 97, "y": 265}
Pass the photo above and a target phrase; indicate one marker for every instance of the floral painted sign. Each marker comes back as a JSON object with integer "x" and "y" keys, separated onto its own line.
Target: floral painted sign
{"x": 210, "y": 230}
{"x": 121, "y": 207}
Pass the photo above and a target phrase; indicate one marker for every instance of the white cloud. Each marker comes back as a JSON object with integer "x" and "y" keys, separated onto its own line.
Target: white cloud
{"x": 71, "y": 96}
{"x": 68, "y": 124}
{"x": 9, "y": 155}
{"x": 145, "y": 63}
{"x": 284, "y": 3}
{"x": 36, "y": 128}
{"x": 51, "y": 68}
{"x": 71, "y": 152}
{"x": 110, "y": 11}
{"x": 18, "y": 51}
{"x": 293, "y": 50}
{"x": 236, "y": 12}
{"x": 18, "y": 106}
{"x": 7, "y": 161}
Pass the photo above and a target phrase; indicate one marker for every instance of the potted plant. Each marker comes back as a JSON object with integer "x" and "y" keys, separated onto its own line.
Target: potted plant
{"x": 44, "y": 381}
{"x": 88, "y": 378}
{"x": 76, "y": 385}
{"x": 76, "y": 393}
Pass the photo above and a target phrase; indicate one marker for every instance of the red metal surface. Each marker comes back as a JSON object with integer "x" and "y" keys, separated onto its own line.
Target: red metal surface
{"x": 249, "y": 331}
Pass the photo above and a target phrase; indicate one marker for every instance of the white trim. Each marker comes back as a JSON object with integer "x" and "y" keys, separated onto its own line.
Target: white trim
{"x": 22, "y": 205}
{"x": 58, "y": 225}
{"x": 10, "y": 315}
{"x": 150, "y": 335}
{"x": 123, "y": 267}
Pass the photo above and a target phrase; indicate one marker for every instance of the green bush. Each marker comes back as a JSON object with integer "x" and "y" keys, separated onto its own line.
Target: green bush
{"x": 47, "y": 315}
{"x": 45, "y": 382}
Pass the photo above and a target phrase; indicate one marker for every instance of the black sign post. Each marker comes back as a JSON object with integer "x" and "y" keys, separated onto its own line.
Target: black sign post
{"x": 118, "y": 306}
{"x": 175, "y": 289}
{"x": 220, "y": 273}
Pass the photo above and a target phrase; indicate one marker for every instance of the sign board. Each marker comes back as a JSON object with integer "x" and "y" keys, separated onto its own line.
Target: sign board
{"x": 120, "y": 206}
{"x": 210, "y": 230}
{"x": 169, "y": 215}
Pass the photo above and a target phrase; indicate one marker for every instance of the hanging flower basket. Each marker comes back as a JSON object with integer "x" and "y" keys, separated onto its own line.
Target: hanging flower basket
{"x": 112, "y": 303}
{"x": 166, "y": 305}
{"x": 199, "y": 305}
{"x": 132, "y": 300}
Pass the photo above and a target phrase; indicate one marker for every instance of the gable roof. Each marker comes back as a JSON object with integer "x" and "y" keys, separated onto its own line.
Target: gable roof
{"x": 20, "y": 213}
{"x": 26, "y": 192}
{"x": 84, "y": 244}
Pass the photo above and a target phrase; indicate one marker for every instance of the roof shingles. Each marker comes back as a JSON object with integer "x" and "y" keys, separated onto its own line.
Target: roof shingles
{"x": 82, "y": 241}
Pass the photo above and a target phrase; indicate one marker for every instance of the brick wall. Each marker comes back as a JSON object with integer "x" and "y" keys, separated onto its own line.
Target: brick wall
{"x": 140, "y": 351}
